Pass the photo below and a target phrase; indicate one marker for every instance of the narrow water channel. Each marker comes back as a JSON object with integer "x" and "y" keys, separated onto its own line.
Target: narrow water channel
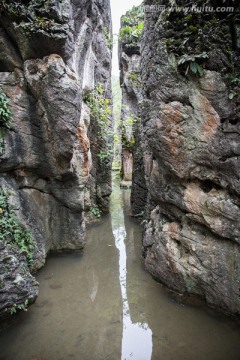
{"x": 102, "y": 305}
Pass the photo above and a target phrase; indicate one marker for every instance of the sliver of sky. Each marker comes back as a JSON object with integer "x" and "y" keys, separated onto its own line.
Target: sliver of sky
{"x": 119, "y": 8}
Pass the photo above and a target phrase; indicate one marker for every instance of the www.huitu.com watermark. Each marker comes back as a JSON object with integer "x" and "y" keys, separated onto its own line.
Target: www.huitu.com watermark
{"x": 187, "y": 9}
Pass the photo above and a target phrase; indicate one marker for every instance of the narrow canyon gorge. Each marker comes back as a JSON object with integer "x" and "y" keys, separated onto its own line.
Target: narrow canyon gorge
{"x": 178, "y": 134}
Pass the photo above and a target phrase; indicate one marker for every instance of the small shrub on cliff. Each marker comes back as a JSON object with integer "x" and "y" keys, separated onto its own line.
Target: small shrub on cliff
{"x": 32, "y": 15}
{"x": 12, "y": 232}
{"x": 99, "y": 105}
{"x": 191, "y": 63}
{"x": 96, "y": 212}
{"x": 5, "y": 117}
{"x": 135, "y": 79}
{"x": 131, "y": 35}
{"x": 39, "y": 23}
{"x": 127, "y": 128}
{"x": 5, "y": 113}
{"x": 132, "y": 27}
{"x": 101, "y": 112}
{"x": 133, "y": 16}
{"x": 108, "y": 38}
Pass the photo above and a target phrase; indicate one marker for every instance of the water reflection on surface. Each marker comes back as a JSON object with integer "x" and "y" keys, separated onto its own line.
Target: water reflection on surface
{"x": 102, "y": 305}
{"x": 137, "y": 337}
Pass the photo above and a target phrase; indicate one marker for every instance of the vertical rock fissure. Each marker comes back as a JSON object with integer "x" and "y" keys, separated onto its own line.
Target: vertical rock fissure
{"x": 132, "y": 96}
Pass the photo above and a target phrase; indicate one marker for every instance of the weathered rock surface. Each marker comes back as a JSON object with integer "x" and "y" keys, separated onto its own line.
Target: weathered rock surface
{"x": 132, "y": 88}
{"x": 191, "y": 141}
{"x": 16, "y": 282}
{"x": 50, "y": 161}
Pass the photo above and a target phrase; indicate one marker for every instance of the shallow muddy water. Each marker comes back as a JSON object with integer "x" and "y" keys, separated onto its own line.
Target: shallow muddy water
{"x": 102, "y": 305}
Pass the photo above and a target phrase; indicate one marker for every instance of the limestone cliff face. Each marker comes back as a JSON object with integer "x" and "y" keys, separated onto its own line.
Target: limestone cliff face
{"x": 51, "y": 54}
{"x": 132, "y": 95}
{"x": 190, "y": 70}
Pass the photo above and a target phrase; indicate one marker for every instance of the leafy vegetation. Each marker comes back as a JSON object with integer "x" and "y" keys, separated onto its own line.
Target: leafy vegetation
{"x": 101, "y": 112}
{"x": 31, "y": 15}
{"x": 133, "y": 16}
{"x": 96, "y": 212}
{"x": 132, "y": 27}
{"x": 134, "y": 78}
{"x": 117, "y": 103}
{"x": 5, "y": 113}
{"x": 109, "y": 38}
{"x": 190, "y": 36}
{"x": 12, "y": 232}
{"x": 127, "y": 128}
{"x": 38, "y": 23}
{"x": 131, "y": 35}
{"x": 17, "y": 307}
{"x": 190, "y": 63}
{"x": 232, "y": 78}
{"x": 5, "y": 118}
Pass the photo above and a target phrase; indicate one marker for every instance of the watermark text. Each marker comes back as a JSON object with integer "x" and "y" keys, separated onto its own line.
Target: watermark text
{"x": 188, "y": 9}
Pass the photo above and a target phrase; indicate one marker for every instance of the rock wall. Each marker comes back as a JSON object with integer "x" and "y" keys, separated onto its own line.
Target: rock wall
{"x": 132, "y": 95}
{"x": 51, "y": 54}
{"x": 190, "y": 69}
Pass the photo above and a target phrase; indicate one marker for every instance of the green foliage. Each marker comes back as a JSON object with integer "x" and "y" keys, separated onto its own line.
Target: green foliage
{"x": 127, "y": 128}
{"x": 191, "y": 63}
{"x": 193, "y": 34}
{"x": 143, "y": 222}
{"x": 26, "y": 9}
{"x": 17, "y": 307}
{"x": 108, "y": 38}
{"x": 96, "y": 212}
{"x": 117, "y": 172}
{"x": 13, "y": 8}
{"x": 196, "y": 32}
{"x": 135, "y": 79}
{"x": 133, "y": 16}
{"x": 117, "y": 104}
{"x": 5, "y": 113}
{"x": 32, "y": 15}
{"x": 233, "y": 81}
{"x": 11, "y": 231}
{"x": 231, "y": 95}
{"x": 5, "y": 118}
{"x": 101, "y": 112}
{"x": 99, "y": 105}
{"x": 133, "y": 119}
{"x": 39, "y": 23}
{"x": 131, "y": 35}
{"x": 128, "y": 144}
{"x": 132, "y": 27}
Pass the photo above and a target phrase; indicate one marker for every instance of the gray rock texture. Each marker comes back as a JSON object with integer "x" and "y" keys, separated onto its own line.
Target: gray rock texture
{"x": 16, "y": 283}
{"x": 132, "y": 96}
{"x": 51, "y": 55}
{"x": 191, "y": 152}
